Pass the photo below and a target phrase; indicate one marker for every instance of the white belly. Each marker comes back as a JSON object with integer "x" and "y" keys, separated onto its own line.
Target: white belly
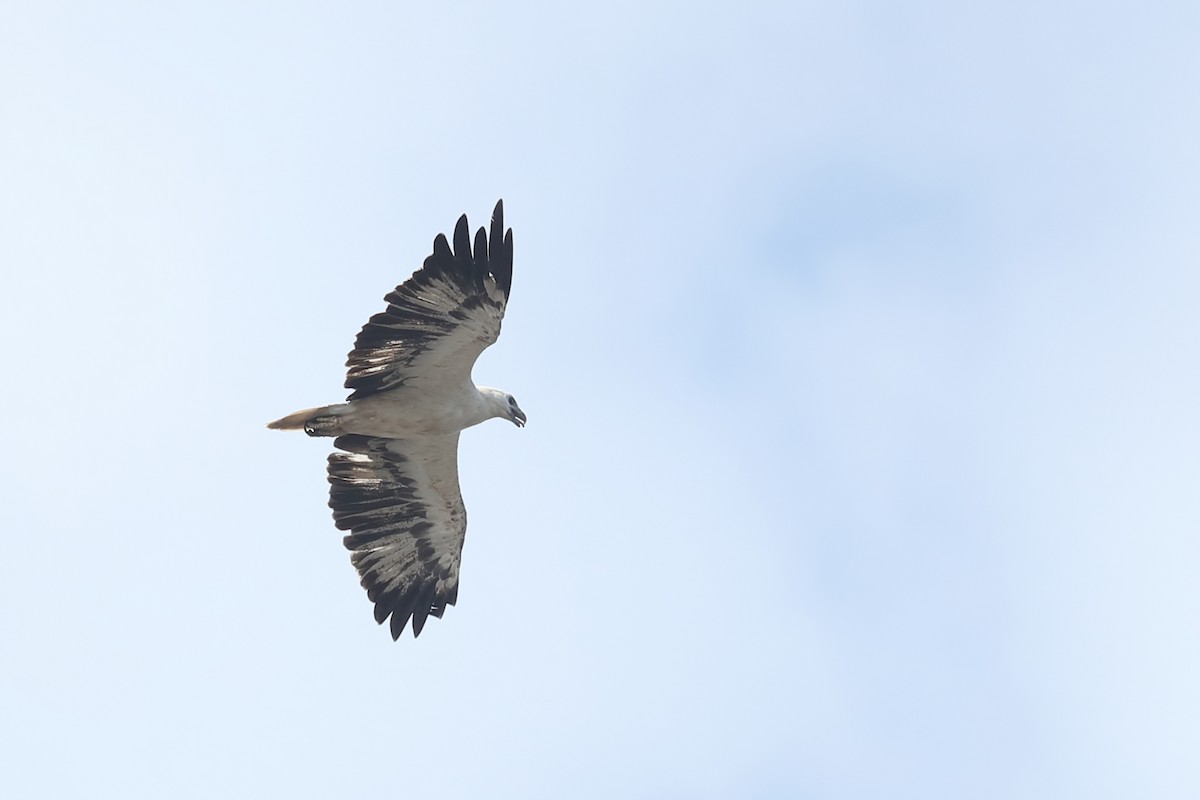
{"x": 404, "y": 412}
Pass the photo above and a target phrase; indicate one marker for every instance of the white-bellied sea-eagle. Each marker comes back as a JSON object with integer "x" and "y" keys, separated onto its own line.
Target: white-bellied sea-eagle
{"x": 394, "y": 481}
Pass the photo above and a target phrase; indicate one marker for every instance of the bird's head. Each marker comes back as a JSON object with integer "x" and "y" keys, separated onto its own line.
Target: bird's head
{"x": 505, "y": 405}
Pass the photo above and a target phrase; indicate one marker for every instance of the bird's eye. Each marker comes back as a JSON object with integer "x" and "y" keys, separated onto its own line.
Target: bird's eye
{"x": 511, "y": 401}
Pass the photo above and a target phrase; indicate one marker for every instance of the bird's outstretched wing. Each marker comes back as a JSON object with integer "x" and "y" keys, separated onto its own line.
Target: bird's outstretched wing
{"x": 439, "y": 320}
{"x": 400, "y": 500}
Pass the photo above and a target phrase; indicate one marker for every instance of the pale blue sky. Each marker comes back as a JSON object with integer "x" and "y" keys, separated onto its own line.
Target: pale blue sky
{"x": 858, "y": 342}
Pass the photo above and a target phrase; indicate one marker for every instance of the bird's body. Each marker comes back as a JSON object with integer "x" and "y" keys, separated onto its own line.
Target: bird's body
{"x": 394, "y": 485}
{"x": 400, "y": 413}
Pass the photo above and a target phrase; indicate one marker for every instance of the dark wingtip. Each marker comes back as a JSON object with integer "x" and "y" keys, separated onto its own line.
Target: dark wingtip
{"x": 421, "y": 609}
{"x": 497, "y": 232}
{"x": 500, "y": 252}
{"x": 481, "y": 247}
{"x": 397, "y": 623}
{"x": 504, "y": 269}
{"x": 462, "y": 240}
{"x": 441, "y": 249}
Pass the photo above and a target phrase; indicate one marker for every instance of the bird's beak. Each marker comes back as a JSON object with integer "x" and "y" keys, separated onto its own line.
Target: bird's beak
{"x": 518, "y": 418}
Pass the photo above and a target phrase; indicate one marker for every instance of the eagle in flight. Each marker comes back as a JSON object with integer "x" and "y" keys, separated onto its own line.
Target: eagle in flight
{"x": 394, "y": 477}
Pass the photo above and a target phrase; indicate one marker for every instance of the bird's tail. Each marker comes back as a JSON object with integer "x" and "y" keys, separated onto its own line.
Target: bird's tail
{"x": 320, "y": 421}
